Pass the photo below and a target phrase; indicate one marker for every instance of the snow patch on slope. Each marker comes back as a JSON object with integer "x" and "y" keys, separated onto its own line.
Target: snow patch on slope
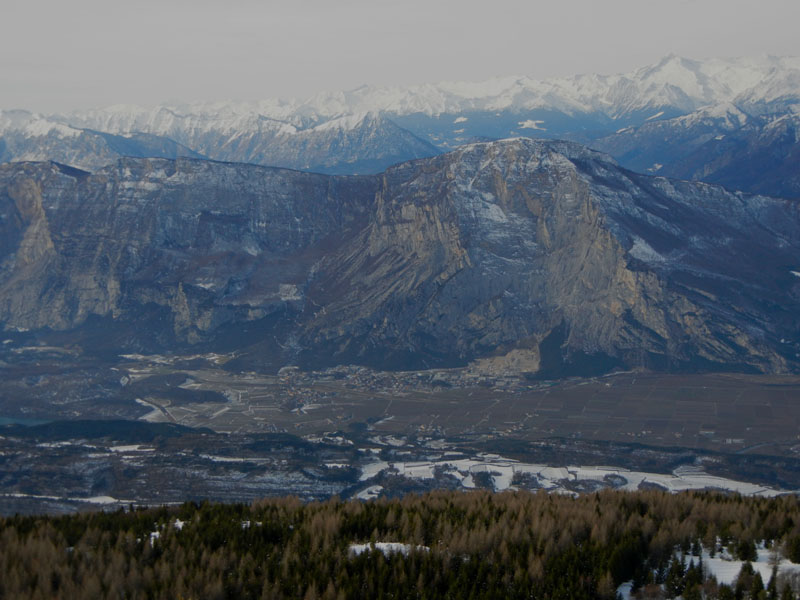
{"x": 532, "y": 124}
{"x": 642, "y": 251}
{"x": 345, "y": 123}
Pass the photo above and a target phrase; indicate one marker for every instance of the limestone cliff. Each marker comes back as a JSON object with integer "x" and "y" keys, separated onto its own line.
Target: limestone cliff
{"x": 534, "y": 256}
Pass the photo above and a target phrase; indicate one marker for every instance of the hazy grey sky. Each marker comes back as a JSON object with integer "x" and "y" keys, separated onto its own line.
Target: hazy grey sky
{"x": 59, "y": 55}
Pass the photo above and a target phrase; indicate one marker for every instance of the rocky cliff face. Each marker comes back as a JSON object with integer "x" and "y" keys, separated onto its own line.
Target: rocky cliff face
{"x": 548, "y": 246}
{"x": 543, "y": 254}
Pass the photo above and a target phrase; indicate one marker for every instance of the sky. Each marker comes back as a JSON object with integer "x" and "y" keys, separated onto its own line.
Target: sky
{"x": 59, "y": 56}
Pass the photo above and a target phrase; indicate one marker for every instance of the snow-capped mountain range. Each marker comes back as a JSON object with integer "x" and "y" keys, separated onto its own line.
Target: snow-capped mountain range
{"x": 368, "y": 128}
{"x": 674, "y": 83}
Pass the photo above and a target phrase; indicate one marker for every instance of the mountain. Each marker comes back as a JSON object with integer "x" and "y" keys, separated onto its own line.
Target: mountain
{"x": 674, "y": 83}
{"x": 444, "y": 112}
{"x": 718, "y": 144}
{"x": 645, "y": 118}
{"x": 543, "y": 254}
{"x": 651, "y": 146}
{"x": 32, "y": 137}
{"x": 359, "y": 143}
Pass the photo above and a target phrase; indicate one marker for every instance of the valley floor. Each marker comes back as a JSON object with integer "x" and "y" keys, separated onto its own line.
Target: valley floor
{"x": 174, "y": 428}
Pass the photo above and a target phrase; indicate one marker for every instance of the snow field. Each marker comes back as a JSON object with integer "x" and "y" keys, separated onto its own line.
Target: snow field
{"x": 560, "y": 479}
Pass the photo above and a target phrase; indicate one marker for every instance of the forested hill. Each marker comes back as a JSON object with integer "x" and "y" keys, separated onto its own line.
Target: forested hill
{"x": 441, "y": 545}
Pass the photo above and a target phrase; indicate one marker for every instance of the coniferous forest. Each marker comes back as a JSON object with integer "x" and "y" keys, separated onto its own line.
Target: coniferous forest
{"x": 447, "y": 545}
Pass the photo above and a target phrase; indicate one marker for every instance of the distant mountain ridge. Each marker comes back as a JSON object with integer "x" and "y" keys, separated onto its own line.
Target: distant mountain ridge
{"x": 26, "y": 136}
{"x": 718, "y": 144}
{"x": 353, "y": 144}
{"x": 669, "y": 115}
{"x": 674, "y": 83}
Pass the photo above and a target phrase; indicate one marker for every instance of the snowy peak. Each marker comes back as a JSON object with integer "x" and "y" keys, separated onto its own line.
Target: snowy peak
{"x": 696, "y": 80}
{"x": 778, "y": 92}
{"x": 674, "y": 81}
{"x": 678, "y": 84}
{"x": 349, "y": 122}
{"x": 677, "y": 74}
{"x": 33, "y": 125}
{"x": 725, "y": 115}
{"x": 369, "y": 128}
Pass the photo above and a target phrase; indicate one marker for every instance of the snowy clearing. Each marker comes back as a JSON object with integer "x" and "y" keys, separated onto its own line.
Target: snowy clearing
{"x": 370, "y": 493}
{"x": 388, "y": 548}
{"x": 726, "y": 570}
{"x": 502, "y": 472}
{"x": 131, "y": 448}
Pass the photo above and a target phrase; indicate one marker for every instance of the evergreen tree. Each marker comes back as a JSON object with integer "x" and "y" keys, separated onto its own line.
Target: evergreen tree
{"x": 674, "y": 581}
{"x": 746, "y": 550}
{"x": 772, "y": 586}
{"x": 793, "y": 549}
{"x": 726, "y": 593}
{"x": 787, "y": 593}
{"x": 757, "y": 586}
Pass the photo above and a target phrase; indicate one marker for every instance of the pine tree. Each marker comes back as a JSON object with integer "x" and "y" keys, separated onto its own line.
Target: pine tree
{"x": 674, "y": 581}
{"x": 726, "y": 593}
{"x": 746, "y": 550}
{"x": 606, "y": 589}
{"x": 757, "y": 587}
{"x": 787, "y": 593}
{"x": 772, "y": 586}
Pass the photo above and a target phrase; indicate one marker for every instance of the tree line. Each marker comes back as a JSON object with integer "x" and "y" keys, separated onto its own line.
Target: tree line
{"x": 460, "y": 545}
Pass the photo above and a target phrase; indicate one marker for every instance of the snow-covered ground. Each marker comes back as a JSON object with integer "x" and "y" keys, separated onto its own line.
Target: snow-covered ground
{"x": 725, "y": 569}
{"x": 370, "y": 470}
{"x": 388, "y": 548}
{"x": 503, "y": 470}
{"x": 156, "y": 415}
{"x": 227, "y": 459}
{"x": 389, "y": 440}
{"x": 370, "y": 493}
{"x": 625, "y": 590}
{"x": 131, "y": 448}
{"x": 92, "y": 500}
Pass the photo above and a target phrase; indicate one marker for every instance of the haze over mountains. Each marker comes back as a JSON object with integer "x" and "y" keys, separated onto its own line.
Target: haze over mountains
{"x": 718, "y": 120}
{"x": 674, "y": 84}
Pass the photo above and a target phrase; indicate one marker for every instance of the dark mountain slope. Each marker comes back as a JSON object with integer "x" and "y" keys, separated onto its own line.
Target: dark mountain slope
{"x": 721, "y": 144}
